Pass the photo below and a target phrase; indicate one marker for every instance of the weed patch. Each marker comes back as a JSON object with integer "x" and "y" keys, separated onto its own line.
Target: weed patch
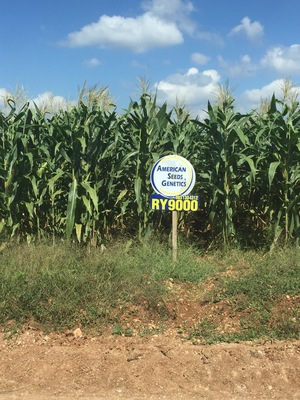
{"x": 135, "y": 288}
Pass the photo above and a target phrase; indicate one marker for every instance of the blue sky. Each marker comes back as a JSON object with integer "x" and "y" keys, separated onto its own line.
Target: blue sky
{"x": 185, "y": 48}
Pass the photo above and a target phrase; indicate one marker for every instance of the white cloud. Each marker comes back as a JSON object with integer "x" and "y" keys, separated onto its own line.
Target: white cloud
{"x": 179, "y": 11}
{"x": 162, "y": 24}
{"x": 45, "y": 101}
{"x": 243, "y": 68}
{"x": 10, "y": 99}
{"x": 4, "y": 95}
{"x": 285, "y": 60}
{"x": 137, "y": 34}
{"x": 169, "y": 9}
{"x": 253, "y": 30}
{"x": 199, "y": 58}
{"x": 251, "y": 99}
{"x": 254, "y": 96}
{"x": 92, "y": 62}
{"x": 49, "y": 102}
{"x": 193, "y": 89}
{"x": 172, "y": 10}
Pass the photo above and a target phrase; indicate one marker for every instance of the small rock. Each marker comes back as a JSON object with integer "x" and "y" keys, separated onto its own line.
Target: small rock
{"x": 77, "y": 333}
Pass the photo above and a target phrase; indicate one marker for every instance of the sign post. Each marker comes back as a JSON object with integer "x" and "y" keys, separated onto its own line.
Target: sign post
{"x": 173, "y": 178}
{"x": 174, "y": 235}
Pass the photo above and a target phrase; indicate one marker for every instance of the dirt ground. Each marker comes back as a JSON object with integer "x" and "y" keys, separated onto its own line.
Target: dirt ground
{"x": 158, "y": 364}
{"x": 37, "y": 366}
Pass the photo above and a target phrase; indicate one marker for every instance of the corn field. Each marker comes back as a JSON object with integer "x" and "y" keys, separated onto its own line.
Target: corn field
{"x": 83, "y": 173}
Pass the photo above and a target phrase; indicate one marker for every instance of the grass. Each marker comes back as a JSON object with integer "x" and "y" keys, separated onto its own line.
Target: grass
{"x": 59, "y": 286}
{"x": 262, "y": 293}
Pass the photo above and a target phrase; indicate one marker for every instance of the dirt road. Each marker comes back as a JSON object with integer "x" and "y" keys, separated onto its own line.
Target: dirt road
{"x": 40, "y": 367}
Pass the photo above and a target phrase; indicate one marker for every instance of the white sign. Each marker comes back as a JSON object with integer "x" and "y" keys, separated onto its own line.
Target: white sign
{"x": 173, "y": 176}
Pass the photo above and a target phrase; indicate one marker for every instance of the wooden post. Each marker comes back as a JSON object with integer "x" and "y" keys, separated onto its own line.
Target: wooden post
{"x": 174, "y": 235}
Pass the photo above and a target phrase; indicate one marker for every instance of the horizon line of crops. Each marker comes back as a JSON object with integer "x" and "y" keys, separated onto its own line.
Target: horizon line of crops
{"x": 83, "y": 173}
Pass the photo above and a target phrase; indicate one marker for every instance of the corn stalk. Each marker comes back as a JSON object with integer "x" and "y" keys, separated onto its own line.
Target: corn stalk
{"x": 223, "y": 153}
{"x": 280, "y": 129}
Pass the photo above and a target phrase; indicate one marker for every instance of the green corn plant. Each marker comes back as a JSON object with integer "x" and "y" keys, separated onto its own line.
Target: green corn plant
{"x": 18, "y": 164}
{"x": 280, "y": 129}
{"x": 223, "y": 154}
{"x": 144, "y": 138}
{"x": 25, "y": 165}
{"x": 3, "y": 172}
{"x": 83, "y": 172}
{"x": 84, "y": 146}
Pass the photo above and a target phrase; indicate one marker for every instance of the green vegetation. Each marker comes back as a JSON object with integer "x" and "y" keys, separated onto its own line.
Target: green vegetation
{"x": 61, "y": 284}
{"x": 237, "y": 295}
{"x": 83, "y": 173}
{"x": 261, "y": 294}
{"x": 75, "y": 181}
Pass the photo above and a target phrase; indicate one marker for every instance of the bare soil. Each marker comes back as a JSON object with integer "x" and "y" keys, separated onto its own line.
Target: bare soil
{"x": 145, "y": 360}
